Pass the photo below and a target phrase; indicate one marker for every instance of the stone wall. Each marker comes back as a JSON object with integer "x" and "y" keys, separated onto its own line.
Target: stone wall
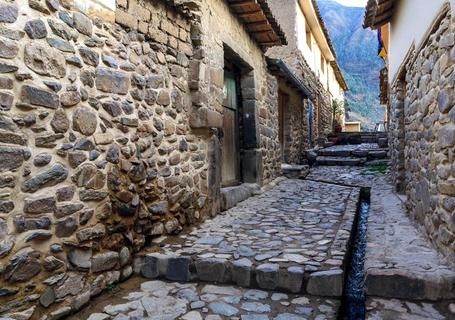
{"x": 295, "y": 126}
{"x": 269, "y": 127}
{"x": 429, "y": 134}
{"x": 285, "y": 14}
{"x": 397, "y": 135}
{"x": 109, "y": 137}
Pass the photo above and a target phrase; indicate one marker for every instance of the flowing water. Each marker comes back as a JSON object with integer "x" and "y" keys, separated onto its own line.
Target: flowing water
{"x": 354, "y": 291}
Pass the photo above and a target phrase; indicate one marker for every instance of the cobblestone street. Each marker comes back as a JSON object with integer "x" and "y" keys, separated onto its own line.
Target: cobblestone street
{"x": 292, "y": 238}
{"x": 159, "y": 300}
{"x": 293, "y": 229}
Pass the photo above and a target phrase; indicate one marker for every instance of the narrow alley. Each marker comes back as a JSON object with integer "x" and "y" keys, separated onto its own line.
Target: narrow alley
{"x": 227, "y": 159}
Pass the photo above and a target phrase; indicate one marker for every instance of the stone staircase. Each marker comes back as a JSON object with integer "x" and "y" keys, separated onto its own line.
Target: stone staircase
{"x": 352, "y": 155}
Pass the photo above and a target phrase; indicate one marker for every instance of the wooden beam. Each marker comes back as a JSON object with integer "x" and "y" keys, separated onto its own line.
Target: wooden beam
{"x": 240, "y": 7}
{"x": 270, "y": 43}
{"x": 251, "y": 15}
{"x": 258, "y": 24}
{"x": 383, "y": 19}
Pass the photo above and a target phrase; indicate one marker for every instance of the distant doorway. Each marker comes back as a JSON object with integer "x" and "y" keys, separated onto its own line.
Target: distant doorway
{"x": 283, "y": 100}
{"x": 318, "y": 114}
{"x": 310, "y": 123}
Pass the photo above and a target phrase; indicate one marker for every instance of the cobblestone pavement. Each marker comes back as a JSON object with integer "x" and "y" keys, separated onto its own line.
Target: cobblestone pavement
{"x": 394, "y": 309}
{"x": 157, "y": 300}
{"x": 350, "y": 176}
{"x": 299, "y": 226}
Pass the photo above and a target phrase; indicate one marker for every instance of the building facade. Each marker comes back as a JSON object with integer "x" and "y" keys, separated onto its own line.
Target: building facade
{"x": 311, "y": 56}
{"x": 418, "y": 84}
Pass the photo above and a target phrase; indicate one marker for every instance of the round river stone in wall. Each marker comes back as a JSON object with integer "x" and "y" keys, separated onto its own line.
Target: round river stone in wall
{"x": 60, "y": 123}
{"x": 84, "y": 121}
{"x": 42, "y": 159}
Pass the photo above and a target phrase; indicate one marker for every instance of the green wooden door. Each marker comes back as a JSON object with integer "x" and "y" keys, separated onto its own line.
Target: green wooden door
{"x": 230, "y": 172}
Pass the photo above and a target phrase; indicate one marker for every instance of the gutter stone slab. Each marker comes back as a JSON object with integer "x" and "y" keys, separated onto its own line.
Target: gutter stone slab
{"x": 326, "y": 283}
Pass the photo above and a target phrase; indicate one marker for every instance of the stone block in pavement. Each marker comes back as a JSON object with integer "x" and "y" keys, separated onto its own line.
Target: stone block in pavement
{"x": 291, "y": 279}
{"x": 241, "y": 272}
{"x": 326, "y": 283}
{"x": 267, "y": 276}
{"x": 178, "y": 269}
{"x": 402, "y": 284}
{"x": 154, "y": 265}
{"x": 230, "y": 196}
{"x": 212, "y": 270}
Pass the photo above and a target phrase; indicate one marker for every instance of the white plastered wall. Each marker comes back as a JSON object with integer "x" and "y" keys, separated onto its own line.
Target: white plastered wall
{"x": 104, "y": 9}
{"x": 409, "y": 24}
{"x": 313, "y": 55}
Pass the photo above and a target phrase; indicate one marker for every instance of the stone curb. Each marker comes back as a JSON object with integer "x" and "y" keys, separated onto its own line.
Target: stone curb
{"x": 241, "y": 272}
{"x": 408, "y": 281}
{"x": 266, "y": 276}
{"x": 392, "y": 283}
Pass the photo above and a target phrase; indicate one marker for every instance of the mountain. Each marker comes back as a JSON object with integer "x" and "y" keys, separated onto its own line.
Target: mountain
{"x": 356, "y": 50}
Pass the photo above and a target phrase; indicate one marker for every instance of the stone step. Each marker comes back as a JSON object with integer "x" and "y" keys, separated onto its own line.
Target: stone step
{"x": 267, "y": 276}
{"x": 230, "y": 196}
{"x": 378, "y": 162}
{"x": 370, "y": 154}
{"x": 291, "y": 171}
{"x": 339, "y": 161}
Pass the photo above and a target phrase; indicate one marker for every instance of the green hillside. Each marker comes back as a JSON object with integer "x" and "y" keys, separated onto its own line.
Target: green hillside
{"x": 356, "y": 50}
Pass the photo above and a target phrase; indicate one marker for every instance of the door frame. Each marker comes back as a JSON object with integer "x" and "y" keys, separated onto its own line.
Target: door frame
{"x": 236, "y": 73}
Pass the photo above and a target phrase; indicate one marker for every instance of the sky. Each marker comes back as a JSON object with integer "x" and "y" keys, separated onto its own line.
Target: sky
{"x": 353, "y": 3}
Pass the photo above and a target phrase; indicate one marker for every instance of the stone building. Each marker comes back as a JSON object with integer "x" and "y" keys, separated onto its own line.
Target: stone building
{"x": 418, "y": 84}
{"x": 122, "y": 121}
{"x": 311, "y": 57}
{"x": 292, "y": 117}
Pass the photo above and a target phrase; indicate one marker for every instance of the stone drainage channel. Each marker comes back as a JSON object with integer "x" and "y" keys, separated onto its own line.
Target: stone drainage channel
{"x": 353, "y": 301}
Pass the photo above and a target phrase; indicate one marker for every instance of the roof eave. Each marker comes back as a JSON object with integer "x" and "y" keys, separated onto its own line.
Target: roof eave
{"x": 259, "y": 22}
{"x": 378, "y": 13}
{"x": 280, "y": 67}
{"x": 339, "y": 76}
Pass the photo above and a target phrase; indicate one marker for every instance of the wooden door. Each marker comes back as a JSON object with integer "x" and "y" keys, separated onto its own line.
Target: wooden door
{"x": 282, "y": 106}
{"x": 310, "y": 122}
{"x": 230, "y": 167}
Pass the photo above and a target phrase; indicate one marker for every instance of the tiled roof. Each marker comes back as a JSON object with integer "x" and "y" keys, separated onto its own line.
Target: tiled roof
{"x": 281, "y": 70}
{"x": 378, "y": 13}
{"x": 259, "y": 21}
{"x": 323, "y": 27}
{"x": 339, "y": 75}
